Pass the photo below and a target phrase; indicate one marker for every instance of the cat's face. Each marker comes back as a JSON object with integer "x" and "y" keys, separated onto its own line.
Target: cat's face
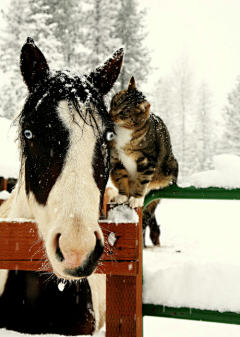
{"x": 129, "y": 108}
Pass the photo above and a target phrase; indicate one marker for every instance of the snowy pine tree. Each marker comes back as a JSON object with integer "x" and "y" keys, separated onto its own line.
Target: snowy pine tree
{"x": 129, "y": 27}
{"x": 187, "y": 112}
{"x": 24, "y": 18}
{"x": 231, "y": 137}
{"x": 182, "y": 87}
{"x": 42, "y": 27}
{"x": 73, "y": 34}
{"x": 67, "y": 18}
{"x": 163, "y": 106}
{"x": 100, "y": 41}
{"x": 204, "y": 130}
{"x": 12, "y": 38}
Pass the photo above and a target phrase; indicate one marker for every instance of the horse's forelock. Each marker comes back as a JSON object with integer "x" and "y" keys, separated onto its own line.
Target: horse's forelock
{"x": 77, "y": 90}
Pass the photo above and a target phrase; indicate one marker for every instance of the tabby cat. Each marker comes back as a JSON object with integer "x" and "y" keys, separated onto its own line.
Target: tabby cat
{"x": 141, "y": 153}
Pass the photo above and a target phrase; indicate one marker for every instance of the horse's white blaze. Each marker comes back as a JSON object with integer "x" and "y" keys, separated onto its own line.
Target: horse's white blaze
{"x": 72, "y": 208}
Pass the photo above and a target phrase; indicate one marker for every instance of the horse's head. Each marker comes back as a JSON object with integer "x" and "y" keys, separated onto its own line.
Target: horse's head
{"x": 64, "y": 133}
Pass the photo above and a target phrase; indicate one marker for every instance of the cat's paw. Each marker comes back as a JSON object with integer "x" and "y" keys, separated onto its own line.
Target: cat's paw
{"x": 136, "y": 202}
{"x": 120, "y": 199}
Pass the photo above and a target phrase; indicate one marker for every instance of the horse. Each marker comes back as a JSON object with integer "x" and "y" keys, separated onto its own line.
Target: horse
{"x": 64, "y": 131}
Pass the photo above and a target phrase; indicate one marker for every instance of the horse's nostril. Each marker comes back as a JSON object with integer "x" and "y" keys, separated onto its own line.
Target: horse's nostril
{"x": 59, "y": 254}
{"x": 98, "y": 250}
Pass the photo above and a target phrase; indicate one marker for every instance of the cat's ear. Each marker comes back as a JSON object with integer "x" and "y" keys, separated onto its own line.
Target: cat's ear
{"x": 145, "y": 106}
{"x": 131, "y": 84}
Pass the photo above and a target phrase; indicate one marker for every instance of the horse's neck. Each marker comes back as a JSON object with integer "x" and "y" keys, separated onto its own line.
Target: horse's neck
{"x": 17, "y": 205}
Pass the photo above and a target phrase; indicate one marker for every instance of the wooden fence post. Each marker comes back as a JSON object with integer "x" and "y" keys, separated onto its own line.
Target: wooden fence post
{"x": 124, "y": 297}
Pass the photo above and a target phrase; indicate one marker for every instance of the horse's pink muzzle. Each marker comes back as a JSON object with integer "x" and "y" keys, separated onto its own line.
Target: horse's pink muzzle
{"x": 77, "y": 263}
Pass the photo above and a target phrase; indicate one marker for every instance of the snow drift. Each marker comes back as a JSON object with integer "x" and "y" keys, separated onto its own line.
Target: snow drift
{"x": 226, "y": 173}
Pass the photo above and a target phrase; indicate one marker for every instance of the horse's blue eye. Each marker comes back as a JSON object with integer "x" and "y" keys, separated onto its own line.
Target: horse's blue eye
{"x": 28, "y": 134}
{"x": 109, "y": 136}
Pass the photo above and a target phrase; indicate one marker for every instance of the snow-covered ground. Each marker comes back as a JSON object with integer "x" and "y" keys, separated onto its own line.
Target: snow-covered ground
{"x": 198, "y": 264}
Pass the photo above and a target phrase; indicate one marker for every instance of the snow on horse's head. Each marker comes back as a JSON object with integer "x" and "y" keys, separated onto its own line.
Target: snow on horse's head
{"x": 64, "y": 129}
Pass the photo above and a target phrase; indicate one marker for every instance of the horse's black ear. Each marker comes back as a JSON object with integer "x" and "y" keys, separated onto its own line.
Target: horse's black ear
{"x": 33, "y": 65}
{"x": 104, "y": 77}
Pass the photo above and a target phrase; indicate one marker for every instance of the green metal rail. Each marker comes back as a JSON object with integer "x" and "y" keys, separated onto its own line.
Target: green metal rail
{"x": 191, "y": 314}
{"x": 176, "y": 192}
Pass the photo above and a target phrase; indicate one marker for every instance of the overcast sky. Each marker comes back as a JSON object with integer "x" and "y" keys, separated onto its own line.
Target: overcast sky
{"x": 206, "y": 31}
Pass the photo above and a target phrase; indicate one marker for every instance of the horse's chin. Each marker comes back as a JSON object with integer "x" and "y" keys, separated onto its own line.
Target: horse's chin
{"x": 66, "y": 271}
{"x": 65, "y": 277}
{"x": 71, "y": 274}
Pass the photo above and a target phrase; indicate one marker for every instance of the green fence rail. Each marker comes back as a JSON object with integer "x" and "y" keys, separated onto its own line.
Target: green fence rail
{"x": 191, "y": 314}
{"x": 176, "y": 192}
